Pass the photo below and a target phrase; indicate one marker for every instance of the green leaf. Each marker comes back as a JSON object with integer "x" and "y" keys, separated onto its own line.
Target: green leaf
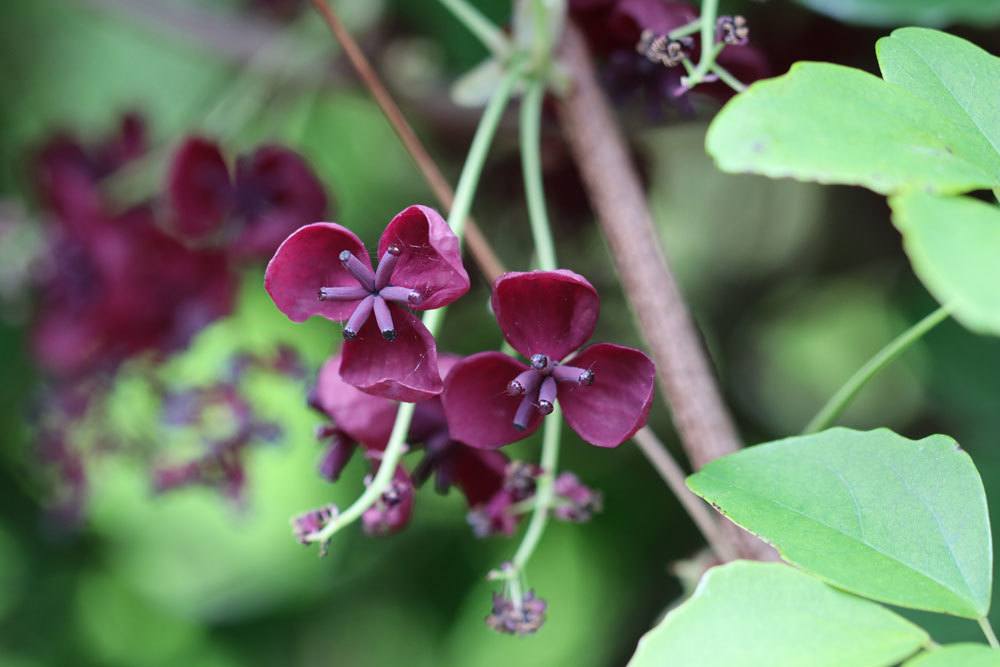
{"x": 957, "y": 655}
{"x": 771, "y": 615}
{"x": 954, "y": 247}
{"x": 957, "y": 77}
{"x": 896, "y": 12}
{"x": 897, "y": 520}
{"x": 834, "y": 124}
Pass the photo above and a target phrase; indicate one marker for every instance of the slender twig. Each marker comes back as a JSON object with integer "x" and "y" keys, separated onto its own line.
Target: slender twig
{"x": 683, "y": 370}
{"x": 727, "y": 78}
{"x": 544, "y": 490}
{"x": 840, "y": 400}
{"x": 480, "y": 248}
{"x": 480, "y": 26}
{"x": 531, "y": 120}
{"x": 673, "y": 475}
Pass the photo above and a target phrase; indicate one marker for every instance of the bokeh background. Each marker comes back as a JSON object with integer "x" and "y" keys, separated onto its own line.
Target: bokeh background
{"x": 794, "y": 286}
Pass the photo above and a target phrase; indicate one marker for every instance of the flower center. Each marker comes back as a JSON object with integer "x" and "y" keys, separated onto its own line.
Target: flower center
{"x": 539, "y": 386}
{"x": 373, "y": 292}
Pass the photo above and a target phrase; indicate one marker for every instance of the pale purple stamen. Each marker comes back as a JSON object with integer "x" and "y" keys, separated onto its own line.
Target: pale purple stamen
{"x": 523, "y": 414}
{"x": 362, "y": 273}
{"x": 525, "y": 383}
{"x": 400, "y": 294}
{"x": 539, "y": 386}
{"x": 349, "y": 293}
{"x": 583, "y": 376}
{"x": 384, "y": 318}
{"x": 386, "y": 265}
{"x": 359, "y": 317}
{"x": 547, "y": 395}
{"x": 372, "y": 293}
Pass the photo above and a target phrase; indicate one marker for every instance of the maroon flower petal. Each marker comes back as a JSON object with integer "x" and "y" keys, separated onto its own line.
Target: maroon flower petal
{"x": 404, "y": 369}
{"x": 277, "y": 193}
{"x": 616, "y": 405}
{"x": 479, "y": 473}
{"x": 308, "y": 260}
{"x": 365, "y": 418}
{"x": 199, "y": 188}
{"x": 431, "y": 258}
{"x": 545, "y": 312}
{"x": 480, "y": 412}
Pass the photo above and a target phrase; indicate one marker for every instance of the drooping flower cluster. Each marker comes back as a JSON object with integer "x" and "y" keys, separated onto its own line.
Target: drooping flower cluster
{"x": 466, "y": 408}
{"x": 632, "y": 36}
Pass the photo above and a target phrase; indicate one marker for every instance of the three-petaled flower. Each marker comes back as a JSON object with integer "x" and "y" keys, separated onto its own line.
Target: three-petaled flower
{"x": 606, "y": 390}
{"x": 324, "y": 269}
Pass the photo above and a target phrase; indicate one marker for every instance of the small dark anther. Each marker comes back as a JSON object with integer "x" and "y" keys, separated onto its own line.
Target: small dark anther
{"x": 350, "y": 334}
{"x": 414, "y": 298}
{"x": 394, "y": 249}
{"x": 545, "y": 407}
{"x": 586, "y": 378}
{"x": 515, "y": 388}
{"x": 345, "y": 255}
{"x": 389, "y": 335}
{"x": 539, "y": 361}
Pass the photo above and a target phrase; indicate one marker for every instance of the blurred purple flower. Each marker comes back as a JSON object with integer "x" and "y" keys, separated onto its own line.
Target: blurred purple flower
{"x": 272, "y": 193}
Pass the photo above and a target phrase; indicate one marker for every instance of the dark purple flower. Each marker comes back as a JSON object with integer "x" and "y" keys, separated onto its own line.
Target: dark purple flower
{"x": 122, "y": 287}
{"x": 324, "y": 269}
{"x": 272, "y": 193}
{"x": 499, "y": 515}
{"x": 605, "y": 391}
{"x": 522, "y": 616}
{"x": 67, "y": 173}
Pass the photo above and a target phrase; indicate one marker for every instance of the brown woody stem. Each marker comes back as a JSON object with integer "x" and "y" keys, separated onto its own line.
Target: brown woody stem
{"x": 685, "y": 376}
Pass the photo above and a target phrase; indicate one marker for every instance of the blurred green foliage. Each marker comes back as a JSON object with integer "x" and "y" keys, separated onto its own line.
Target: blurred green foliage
{"x": 793, "y": 285}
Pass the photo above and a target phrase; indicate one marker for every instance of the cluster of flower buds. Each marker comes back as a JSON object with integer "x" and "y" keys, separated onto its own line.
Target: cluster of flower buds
{"x": 732, "y": 30}
{"x": 522, "y": 616}
{"x": 661, "y": 49}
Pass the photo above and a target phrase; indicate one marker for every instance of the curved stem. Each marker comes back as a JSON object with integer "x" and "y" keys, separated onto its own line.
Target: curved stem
{"x": 991, "y": 637}
{"x": 467, "y": 183}
{"x": 545, "y": 490}
{"x": 840, "y": 400}
{"x": 531, "y": 120}
{"x": 727, "y": 78}
{"x": 480, "y": 26}
{"x": 659, "y": 456}
{"x": 479, "y": 246}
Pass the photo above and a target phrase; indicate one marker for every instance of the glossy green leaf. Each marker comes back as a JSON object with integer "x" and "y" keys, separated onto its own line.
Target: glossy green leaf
{"x": 897, "y": 520}
{"x": 897, "y": 12}
{"x": 771, "y": 615}
{"x": 833, "y": 124}
{"x": 961, "y": 81}
{"x": 954, "y": 246}
{"x": 957, "y": 655}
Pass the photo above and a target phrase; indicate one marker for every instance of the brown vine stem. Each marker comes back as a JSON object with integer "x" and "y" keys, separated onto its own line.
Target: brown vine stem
{"x": 659, "y": 456}
{"x": 683, "y": 370}
{"x": 482, "y": 252}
